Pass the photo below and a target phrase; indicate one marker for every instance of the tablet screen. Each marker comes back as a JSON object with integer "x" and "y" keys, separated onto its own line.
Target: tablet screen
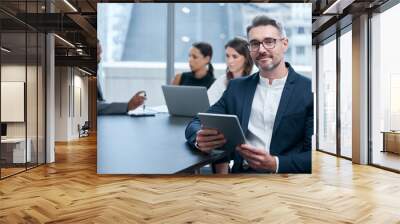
{"x": 227, "y": 124}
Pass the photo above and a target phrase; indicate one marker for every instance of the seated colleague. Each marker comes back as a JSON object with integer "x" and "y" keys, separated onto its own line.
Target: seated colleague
{"x": 104, "y": 108}
{"x": 274, "y": 107}
{"x": 202, "y": 71}
{"x": 239, "y": 64}
{"x": 107, "y": 108}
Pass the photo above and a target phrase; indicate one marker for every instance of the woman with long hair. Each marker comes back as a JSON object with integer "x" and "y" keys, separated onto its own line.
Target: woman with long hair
{"x": 239, "y": 64}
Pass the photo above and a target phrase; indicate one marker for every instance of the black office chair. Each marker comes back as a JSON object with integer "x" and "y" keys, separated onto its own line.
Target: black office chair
{"x": 84, "y": 130}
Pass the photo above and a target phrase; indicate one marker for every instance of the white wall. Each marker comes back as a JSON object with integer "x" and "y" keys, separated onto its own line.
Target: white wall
{"x": 33, "y": 126}
{"x": 80, "y": 97}
{"x": 12, "y": 73}
{"x": 71, "y": 94}
{"x": 61, "y": 103}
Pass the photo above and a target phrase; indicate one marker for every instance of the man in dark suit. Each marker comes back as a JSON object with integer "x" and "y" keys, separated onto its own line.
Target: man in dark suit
{"x": 108, "y": 108}
{"x": 274, "y": 107}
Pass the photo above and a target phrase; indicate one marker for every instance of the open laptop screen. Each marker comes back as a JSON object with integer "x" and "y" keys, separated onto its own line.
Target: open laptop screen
{"x": 186, "y": 100}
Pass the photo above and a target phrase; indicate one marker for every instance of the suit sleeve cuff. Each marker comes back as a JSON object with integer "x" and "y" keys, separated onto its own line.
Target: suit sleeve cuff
{"x": 277, "y": 164}
{"x": 196, "y": 145}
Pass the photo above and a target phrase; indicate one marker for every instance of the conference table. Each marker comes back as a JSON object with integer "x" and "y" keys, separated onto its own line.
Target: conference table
{"x": 147, "y": 145}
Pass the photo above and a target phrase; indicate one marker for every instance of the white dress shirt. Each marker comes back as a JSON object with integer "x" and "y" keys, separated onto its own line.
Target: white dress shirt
{"x": 263, "y": 111}
{"x": 217, "y": 89}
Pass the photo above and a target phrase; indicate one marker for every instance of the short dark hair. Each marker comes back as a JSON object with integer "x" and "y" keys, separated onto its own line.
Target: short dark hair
{"x": 240, "y": 46}
{"x": 265, "y": 21}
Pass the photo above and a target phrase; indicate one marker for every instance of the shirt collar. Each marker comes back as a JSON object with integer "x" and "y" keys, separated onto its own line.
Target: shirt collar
{"x": 276, "y": 83}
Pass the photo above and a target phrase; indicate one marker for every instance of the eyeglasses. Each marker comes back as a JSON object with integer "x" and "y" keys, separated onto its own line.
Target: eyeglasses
{"x": 268, "y": 43}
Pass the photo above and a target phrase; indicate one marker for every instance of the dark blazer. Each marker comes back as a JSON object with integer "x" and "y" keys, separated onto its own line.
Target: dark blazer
{"x": 293, "y": 126}
{"x": 107, "y": 108}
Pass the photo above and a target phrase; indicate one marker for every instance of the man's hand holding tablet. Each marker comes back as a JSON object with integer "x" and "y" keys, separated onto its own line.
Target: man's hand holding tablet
{"x": 257, "y": 158}
{"x": 224, "y": 131}
{"x": 208, "y": 139}
{"x": 219, "y": 130}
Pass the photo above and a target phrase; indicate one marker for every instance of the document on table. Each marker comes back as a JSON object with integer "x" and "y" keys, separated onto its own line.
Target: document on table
{"x": 140, "y": 112}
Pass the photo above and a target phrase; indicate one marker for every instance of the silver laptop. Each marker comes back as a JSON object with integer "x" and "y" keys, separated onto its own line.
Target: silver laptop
{"x": 185, "y": 100}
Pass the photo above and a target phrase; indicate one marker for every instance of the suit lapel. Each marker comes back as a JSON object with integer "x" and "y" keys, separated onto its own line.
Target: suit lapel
{"x": 248, "y": 100}
{"x": 285, "y": 98}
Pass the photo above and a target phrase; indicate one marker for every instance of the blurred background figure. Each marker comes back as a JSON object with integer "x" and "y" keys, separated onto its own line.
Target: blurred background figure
{"x": 104, "y": 107}
{"x": 202, "y": 71}
{"x": 238, "y": 64}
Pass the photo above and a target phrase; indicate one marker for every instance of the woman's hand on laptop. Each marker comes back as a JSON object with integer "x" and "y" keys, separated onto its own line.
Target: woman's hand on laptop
{"x": 209, "y": 139}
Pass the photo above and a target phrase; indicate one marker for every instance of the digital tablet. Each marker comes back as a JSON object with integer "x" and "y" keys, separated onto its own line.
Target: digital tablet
{"x": 227, "y": 124}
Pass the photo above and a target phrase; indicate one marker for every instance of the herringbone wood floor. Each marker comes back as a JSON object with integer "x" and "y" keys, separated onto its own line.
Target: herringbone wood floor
{"x": 70, "y": 191}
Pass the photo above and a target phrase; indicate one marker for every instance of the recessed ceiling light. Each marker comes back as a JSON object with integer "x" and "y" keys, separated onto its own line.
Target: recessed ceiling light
{"x": 5, "y": 50}
{"x": 337, "y": 7}
{"x": 84, "y": 71}
{"x": 186, "y": 10}
{"x": 70, "y": 5}
{"x": 65, "y": 41}
{"x": 185, "y": 39}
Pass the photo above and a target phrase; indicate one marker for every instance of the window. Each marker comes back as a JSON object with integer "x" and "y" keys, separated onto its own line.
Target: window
{"x": 289, "y": 51}
{"x": 133, "y": 42}
{"x": 327, "y": 97}
{"x": 385, "y": 87}
{"x": 288, "y": 32}
{"x": 346, "y": 94}
{"x": 134, "y": 46}
{"x": 300, "y": 50}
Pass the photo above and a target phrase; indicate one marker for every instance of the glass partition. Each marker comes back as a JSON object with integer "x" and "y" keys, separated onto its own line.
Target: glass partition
{"x": 14, "y": 154}
{"x": 22, "y": 64}
{"x": 31, "y": 98}
{"x": 41, "y": 96}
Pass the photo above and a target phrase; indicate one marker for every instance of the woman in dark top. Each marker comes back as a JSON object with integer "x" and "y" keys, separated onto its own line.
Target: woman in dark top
{"x": 202, "y": 71}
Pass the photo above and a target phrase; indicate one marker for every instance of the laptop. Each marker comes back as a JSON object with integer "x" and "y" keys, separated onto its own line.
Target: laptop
{"x": 185, "y": 100}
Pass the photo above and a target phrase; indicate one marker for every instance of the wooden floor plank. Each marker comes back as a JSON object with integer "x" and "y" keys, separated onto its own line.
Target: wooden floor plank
{"x": 70, "y": 191}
